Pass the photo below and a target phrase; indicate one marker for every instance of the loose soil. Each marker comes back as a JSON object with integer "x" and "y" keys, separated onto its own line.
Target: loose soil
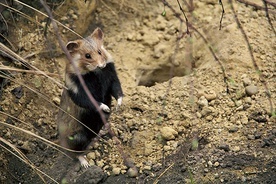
{"x": 178, "y": 123}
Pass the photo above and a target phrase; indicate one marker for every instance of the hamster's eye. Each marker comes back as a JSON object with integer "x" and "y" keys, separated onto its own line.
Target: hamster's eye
{"x": 100, "y": 52}
{"x": 87, "y": 56}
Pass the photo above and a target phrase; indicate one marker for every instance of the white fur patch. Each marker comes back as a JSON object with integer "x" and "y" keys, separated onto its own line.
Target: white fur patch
{"x": 104, "y": 107}
{"x": 90, "y": 67}
{"x": 70, "y": 84}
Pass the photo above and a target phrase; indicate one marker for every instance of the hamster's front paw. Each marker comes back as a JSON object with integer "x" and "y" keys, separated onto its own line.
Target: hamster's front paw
{"x": 84, "y": 163}
{"x": 104, "y": 108}
{"x": 119, "y": 102}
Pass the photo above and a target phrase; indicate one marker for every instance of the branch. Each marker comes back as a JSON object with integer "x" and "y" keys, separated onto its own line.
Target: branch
{"x": 222, "y": 13}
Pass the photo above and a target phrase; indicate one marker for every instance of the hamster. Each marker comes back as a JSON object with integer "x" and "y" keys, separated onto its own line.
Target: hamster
{"x": 96, "y": 67}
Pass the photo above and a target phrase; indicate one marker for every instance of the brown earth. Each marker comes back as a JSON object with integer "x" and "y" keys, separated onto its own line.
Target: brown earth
{"x": 189, "y": 129}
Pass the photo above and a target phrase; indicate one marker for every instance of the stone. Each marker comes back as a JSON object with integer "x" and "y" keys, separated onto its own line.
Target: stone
{"x": 251, "y": 90}
{"x": 202, "y": 101}
{"x": 236, "y": 148}
{"x": 116, "y": 171}
{"x": 91, "y": 155}
{"x": 224, "y": 147}
{"x": 167, "y": 148}
{"x": 216, "y": 164}
{"x": 100, "y": 163}
{"x": 246, "y": 81}
{"x": 131, "y": 36}
{"x": 56, "y": 100}
{"x": 211, "y": 95}
{"x": 168, "y": 133}
{"x": 250, "y": 137}
{"x": 91, "y": 162}
{"x": 148, "y": 149}
{"x": 147, "y": 167}
{"x": 233, "y": 129}
{"x": 132, "y": 172}
{"x": 206, "y": 111}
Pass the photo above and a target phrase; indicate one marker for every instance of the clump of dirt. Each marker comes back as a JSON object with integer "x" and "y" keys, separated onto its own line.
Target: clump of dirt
{"x": 194, "y": 128}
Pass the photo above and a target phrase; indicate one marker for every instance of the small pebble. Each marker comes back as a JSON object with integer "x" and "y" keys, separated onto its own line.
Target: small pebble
{"x": 236, "y": 148}
{"x": 147, "y": 167}
{"x": 202, "y": 101}
{"x": 250, "y": 137}
{"x": 183, "y": 169}
{"x": 211, "y": 95}
{"x": 132, "y": 172}
{"x": 91, "y": 162}
{"x": 206, "y": 111}
{"x": 240, "y": 108}
{"x": 100, "y": 163}
{"x": 246, "y": 81}
{"x": 198, "y": 115}
{"x": 166, "y": 148}
{"x": 116, "y": 171}
{"x": 224, "y": 147}
{"x": 257, "y": 135}
{"x": 56, "y": 100}
{"x": 216, "y": 164}
{"x": 91, "y": 155}
{"x": 251, "y": 90}
{"x": 156, "y": 167}
{"x": 168, "y": 133}
{"x": 233, "y": 129}
{"x": 210, "y": 164}
{"x": 248, "y": 100}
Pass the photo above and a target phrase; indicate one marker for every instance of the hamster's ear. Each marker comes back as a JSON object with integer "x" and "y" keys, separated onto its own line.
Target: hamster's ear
{"x": 72, "y": 46}
{"x": 97, "y": 34}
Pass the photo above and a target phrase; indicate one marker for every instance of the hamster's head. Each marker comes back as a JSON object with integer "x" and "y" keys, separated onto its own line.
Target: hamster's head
{"x": 89, "y": 54}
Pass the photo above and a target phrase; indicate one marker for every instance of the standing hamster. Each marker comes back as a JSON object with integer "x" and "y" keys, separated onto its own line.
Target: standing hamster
{"x": 96, "y": 67}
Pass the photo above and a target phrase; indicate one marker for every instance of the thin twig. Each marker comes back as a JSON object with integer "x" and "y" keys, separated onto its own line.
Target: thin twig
{"x": 157, "y": 179}
{"x": 27, "y": 71}
{"x": 187, "y": 22}
{"x": 222, "y": 13}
